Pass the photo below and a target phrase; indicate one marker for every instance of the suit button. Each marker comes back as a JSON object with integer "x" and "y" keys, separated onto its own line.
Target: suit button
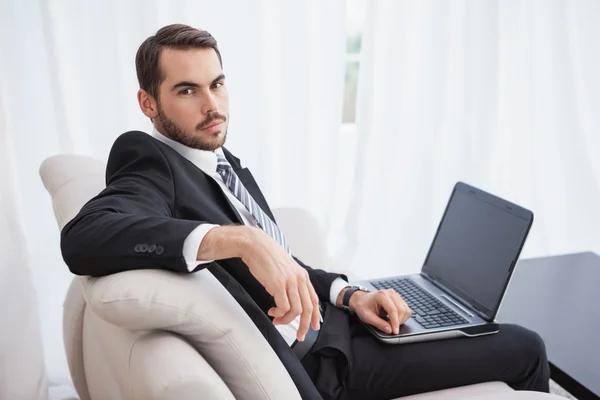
{"x": 151, "y": 248}
{"x": 137, "y": 248}
{"x": 143, "y": 248}
{"x": 159, "y": 250}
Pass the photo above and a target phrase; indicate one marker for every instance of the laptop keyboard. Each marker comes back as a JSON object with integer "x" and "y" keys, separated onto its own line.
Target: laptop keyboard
{"x": 427, "y": 310}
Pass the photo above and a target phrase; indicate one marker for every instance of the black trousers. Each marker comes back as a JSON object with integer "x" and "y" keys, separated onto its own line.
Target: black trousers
{"x": 347, "y": 362}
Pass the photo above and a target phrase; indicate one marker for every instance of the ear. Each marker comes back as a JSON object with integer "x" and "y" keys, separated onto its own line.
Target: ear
{"x": 147, "y": 104}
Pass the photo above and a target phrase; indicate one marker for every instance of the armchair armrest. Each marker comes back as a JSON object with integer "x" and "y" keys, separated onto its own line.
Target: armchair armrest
{"x": 163, "y": 366}
{"x": 198, "y": 308}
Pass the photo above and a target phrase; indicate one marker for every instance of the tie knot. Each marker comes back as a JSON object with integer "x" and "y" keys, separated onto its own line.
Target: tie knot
{"x": 222, "y": 163}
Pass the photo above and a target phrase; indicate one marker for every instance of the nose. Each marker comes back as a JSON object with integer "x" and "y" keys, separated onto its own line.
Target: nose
{"x": 209, "y": 103}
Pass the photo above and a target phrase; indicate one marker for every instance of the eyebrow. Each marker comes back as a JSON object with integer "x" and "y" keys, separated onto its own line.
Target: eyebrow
{"x": 195, "y": 85}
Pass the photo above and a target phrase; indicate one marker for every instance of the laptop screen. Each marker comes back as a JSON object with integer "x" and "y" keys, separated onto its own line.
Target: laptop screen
{"x": 476, "y": 246}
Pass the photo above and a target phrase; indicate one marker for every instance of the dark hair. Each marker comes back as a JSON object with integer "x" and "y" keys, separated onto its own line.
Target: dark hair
{"x": 176, "y": 36}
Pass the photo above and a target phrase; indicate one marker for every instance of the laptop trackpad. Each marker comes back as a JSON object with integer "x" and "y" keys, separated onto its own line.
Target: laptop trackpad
{"x": 409, "y": 327}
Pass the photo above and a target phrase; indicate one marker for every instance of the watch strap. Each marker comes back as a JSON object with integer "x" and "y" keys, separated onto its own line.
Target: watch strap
{"x": 349, "y": 292}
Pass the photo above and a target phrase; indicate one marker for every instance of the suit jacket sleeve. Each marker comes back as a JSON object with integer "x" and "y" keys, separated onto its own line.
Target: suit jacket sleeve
{"x": 131, "y": 224}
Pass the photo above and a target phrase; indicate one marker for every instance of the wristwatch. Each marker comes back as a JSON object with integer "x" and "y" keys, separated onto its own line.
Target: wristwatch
{"x": 349, "y": 292}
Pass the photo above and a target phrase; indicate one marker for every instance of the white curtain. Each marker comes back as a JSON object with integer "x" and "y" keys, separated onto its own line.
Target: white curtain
{"x": 22, "y": 369}
{"x": 500, "y": 94}
{"x": 503, "y": 95}
{"x": 69, "y": 86}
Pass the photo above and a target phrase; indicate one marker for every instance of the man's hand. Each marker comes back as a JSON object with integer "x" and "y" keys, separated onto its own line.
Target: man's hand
{"x": 273, "y": 267}
{"x": 371, "y": 307}
{"x": 283, "y": 279}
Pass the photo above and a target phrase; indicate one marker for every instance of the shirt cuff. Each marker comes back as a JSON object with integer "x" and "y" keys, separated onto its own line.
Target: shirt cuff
{"x": 192, "y": 244}
{"x": 337, "y": 286}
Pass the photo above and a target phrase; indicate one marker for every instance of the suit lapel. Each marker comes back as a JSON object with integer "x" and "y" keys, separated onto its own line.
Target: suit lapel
{"x": 236, "y": 164}
{"x": 249, "y": 183}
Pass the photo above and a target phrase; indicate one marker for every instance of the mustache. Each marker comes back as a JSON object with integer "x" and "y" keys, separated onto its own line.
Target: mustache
{"x": 212, "y": 117}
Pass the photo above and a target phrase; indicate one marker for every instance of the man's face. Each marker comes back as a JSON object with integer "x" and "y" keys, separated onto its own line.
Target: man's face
{"x": 193, "y": 103}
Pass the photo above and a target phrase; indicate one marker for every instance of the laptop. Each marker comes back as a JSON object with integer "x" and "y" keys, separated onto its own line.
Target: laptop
{"x": 466, "y": 272}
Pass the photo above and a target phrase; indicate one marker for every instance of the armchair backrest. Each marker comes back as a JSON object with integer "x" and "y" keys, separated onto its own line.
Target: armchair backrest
{"x": 71, "y": 180}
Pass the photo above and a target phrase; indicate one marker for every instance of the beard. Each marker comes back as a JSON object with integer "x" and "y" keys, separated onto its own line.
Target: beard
{"x": 194, "y": 140}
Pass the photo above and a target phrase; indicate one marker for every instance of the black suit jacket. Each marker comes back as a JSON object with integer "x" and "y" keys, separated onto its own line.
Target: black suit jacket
{"x": 154, "y": 198}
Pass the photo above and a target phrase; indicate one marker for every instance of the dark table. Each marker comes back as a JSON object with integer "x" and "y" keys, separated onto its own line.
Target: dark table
{"x": 559, "y": 298}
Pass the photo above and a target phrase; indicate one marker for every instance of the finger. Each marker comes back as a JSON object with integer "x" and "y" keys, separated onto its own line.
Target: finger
{"x": 388, "y": 305}
{"x": 371, "y": 318}
{"x": 316, "y": 315}
{"x": 408, "y": 314}
{"x": 282, "y": 304}
{"x": 403, "y": 308}
{"x": 307, "y": 312}
{"x": 295, "y": 304}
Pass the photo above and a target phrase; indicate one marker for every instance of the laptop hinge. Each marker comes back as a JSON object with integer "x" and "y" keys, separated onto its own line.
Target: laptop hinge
{"x": 464, "y": 305}
{"x": 457, "y": 305}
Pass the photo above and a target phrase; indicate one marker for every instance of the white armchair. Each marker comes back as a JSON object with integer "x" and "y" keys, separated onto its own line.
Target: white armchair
{"x": 152, "y": 334}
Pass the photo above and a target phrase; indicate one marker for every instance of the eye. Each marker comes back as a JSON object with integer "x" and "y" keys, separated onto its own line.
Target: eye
{"x": 217, "y": 85}
{"x": 186, "y": 92}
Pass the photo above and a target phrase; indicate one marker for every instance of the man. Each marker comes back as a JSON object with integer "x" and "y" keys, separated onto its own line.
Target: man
{"x": 178, "y": 200}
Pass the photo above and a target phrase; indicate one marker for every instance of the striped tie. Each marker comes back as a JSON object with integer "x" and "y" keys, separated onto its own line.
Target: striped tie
{"x": 239, "y": 191}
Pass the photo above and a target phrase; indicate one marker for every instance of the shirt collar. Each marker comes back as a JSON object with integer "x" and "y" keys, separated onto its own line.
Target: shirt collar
{"x": 203, "y": 159}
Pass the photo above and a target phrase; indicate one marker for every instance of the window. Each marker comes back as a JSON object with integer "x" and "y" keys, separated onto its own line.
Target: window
{"x": 355, "y": 18}
{"x": 348, "y": 135}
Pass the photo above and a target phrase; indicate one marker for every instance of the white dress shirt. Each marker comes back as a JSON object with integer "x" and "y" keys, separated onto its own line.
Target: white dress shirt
{"x": 207, "y": 162}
